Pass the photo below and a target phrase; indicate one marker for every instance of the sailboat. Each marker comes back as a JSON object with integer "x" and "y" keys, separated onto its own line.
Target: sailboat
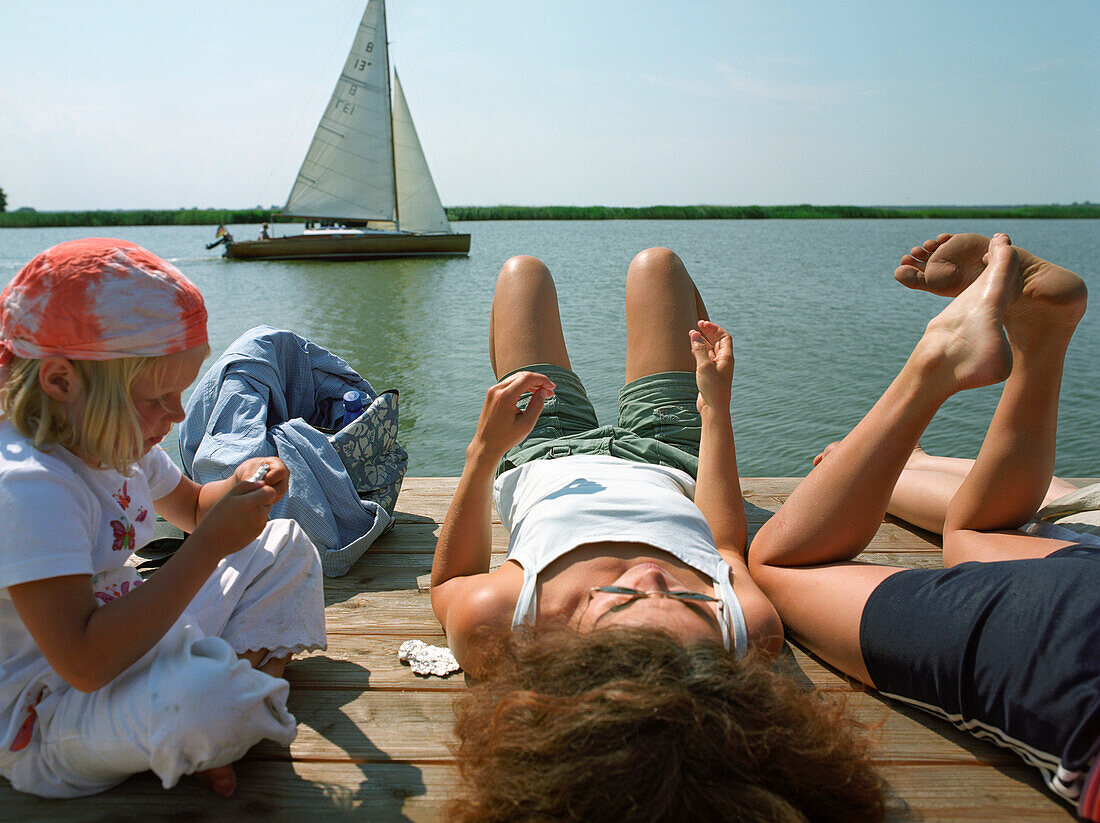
{"x": 364, "y": 189}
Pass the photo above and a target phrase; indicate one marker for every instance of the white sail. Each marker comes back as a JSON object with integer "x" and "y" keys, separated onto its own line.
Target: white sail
{"x": 418, "y": 203}
{"x": 348, "y": 172}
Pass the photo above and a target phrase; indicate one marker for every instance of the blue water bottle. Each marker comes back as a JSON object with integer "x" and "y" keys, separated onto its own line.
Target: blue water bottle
{"x": 353, "y": 406}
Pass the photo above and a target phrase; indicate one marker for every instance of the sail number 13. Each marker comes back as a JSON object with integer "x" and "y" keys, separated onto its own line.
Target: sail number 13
{"x": 360, "y": 64}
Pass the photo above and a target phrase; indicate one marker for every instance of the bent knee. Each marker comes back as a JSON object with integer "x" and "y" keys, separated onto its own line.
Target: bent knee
{"x": 657, "y": 258}
{"x": 523, "y": 266}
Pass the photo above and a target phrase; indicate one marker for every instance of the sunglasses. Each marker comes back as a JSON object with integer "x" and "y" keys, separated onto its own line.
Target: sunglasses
{"x": 624, "y": 596}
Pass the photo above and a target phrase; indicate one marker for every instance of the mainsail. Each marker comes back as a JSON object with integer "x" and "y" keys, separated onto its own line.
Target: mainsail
{"x": 365, "y": 162}
{"x": 348, "y": 172}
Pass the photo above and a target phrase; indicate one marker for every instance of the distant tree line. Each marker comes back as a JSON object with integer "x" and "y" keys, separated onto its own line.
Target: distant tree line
{"x": 28, "y": 218}
{"x": 804, "y": 211}
{"x": 144, "y": 217}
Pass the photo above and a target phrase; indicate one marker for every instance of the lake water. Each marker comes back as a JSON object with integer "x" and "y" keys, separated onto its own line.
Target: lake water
{"x": 819, "y": 325}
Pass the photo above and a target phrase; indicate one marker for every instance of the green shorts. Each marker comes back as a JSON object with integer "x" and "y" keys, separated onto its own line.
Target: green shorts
{"x": 658, "y": 422}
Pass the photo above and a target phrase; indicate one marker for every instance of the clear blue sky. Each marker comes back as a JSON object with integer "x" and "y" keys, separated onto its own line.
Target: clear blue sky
{"x": 128, "y": 104}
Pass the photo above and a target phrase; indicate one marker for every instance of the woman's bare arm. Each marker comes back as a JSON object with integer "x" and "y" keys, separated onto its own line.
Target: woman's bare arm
{"x": 465, "y": 540}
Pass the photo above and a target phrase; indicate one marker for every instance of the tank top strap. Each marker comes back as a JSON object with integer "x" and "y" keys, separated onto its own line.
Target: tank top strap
{"x": 735, "y": 631}
{"x": 526, "y": 605}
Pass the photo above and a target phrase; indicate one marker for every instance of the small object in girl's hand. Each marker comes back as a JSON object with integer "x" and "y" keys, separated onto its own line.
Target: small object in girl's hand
{"x": 260, "y": 474}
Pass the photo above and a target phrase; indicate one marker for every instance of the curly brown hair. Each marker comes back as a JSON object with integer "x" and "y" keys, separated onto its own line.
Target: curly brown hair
{"x": 630, "y": 725}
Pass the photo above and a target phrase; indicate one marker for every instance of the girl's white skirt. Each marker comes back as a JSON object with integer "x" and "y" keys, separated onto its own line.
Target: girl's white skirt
{"x": 190, "y": 703}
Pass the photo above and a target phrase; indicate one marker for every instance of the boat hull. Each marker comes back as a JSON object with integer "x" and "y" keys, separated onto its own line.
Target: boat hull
{"x": 349, "y": 247}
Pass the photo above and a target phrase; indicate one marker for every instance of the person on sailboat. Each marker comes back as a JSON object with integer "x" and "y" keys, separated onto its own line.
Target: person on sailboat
{"x": 626, "y": 559}
{"x": 264, "y": 235}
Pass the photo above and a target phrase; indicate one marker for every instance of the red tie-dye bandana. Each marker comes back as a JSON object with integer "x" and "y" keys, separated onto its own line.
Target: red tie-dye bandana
{"x": 99, "y": 299}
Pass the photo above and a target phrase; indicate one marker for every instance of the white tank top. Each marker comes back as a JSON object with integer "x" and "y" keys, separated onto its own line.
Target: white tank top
{"x": 551, "y": 507}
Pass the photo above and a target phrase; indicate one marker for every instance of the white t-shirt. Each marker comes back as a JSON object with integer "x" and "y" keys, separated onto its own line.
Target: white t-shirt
{"x": 551, "y": 507}
{"x": 60, "y": 517}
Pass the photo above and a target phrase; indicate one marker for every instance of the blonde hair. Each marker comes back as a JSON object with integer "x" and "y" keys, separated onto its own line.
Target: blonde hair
{"x": 107, "y": 433}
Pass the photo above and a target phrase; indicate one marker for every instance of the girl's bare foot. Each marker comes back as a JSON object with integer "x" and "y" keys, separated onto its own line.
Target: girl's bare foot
{"x": 222, "y": 779}
{"x": 1051, "y": 297}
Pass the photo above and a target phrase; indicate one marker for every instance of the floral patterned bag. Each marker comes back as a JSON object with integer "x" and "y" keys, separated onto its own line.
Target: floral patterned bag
{"x": 369, "y": 450}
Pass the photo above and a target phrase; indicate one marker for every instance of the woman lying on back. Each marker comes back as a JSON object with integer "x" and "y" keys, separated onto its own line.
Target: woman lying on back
{"x": 1004, "y": 642}
{"x": 622, "y": 645}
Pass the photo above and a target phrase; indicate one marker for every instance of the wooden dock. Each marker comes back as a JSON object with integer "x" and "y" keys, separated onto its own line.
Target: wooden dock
{"x": 373, "y": 738}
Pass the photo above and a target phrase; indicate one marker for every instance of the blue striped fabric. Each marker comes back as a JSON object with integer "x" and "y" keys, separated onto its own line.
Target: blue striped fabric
{"x": 269, "y": 394}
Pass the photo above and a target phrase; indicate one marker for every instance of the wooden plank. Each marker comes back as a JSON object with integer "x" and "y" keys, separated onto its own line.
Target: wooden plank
{"x": 415, "y": 724}
{"x": 934, "y": 793}
{"x": 268, "y": 791}
{"x": 374, "y": 738}
{"x": 360, "y": 662}
{"x": 276, "y": 791}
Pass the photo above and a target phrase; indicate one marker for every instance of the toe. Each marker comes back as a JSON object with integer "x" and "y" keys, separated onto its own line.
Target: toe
{"x": 919, "y": 253}
{"x": 909, "y": 275}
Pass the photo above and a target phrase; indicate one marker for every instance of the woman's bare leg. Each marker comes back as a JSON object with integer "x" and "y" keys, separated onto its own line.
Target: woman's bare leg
{"x": 928, "y": 482}
{"x": 1013, "y": 473}
{"x": 524, "y": 323}
{"x": 798, "y": 556}
{"x": 662, "y": 306}
{"x": 834, "y": 513}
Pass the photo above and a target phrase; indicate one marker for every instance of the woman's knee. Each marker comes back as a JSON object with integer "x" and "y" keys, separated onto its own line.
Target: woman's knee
{"x": 655, "y": 257}
{"x": 657, "y": 279}
{"x": 656, "y": 268}
{"x": 522, "y": 268}
{"x": 524, "y": 281}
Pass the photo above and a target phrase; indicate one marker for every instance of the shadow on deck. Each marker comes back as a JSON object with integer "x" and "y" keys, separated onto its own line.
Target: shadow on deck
{"x": 373, "y": 737}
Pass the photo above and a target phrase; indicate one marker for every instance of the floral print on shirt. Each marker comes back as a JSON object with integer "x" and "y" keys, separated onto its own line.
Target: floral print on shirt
{"x": 124, "y": 538}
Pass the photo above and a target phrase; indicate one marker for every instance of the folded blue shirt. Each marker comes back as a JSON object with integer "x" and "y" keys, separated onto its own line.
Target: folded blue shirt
{"x": 270, "y": 393}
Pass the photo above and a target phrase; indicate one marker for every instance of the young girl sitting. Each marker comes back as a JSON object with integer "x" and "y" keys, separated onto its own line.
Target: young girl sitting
{"x": 101, "y": 677}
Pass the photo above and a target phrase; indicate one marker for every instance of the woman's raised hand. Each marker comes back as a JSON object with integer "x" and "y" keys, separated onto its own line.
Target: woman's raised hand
{"x": 502, "y": 423}
{"x": 713, "y": 350}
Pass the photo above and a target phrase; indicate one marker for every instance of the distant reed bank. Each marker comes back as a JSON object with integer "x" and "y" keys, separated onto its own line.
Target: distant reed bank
{"x": 27, "y": 219}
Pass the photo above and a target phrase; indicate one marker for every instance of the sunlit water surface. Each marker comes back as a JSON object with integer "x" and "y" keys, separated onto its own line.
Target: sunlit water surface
{"x": 819, "y": 325}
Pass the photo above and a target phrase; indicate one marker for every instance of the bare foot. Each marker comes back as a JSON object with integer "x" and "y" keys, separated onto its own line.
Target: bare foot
{"x": 222, "y": 779}
{"x": 966, "y": 340}
{"x": 1052, "y": 297}
{"x": 825, "y": 451}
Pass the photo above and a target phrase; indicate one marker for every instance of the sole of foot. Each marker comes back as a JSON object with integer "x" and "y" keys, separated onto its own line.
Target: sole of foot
{"x": 967, "y": 339}
{"x": 1051, "y": 296}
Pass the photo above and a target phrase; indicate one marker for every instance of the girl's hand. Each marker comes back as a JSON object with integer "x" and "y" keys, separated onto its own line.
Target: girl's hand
{"x": 277, "y": 477}
{"x": 713, "y": 350}
{"x": 239, "y": 516}
{"x": 502, "y": 424}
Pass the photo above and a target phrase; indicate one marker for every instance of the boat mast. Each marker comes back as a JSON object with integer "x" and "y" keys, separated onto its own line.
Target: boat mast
{"x": 389, "y": 98}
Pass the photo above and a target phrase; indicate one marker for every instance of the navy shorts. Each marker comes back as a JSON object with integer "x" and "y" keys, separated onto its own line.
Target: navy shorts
{"x": 1007, "y": 651}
